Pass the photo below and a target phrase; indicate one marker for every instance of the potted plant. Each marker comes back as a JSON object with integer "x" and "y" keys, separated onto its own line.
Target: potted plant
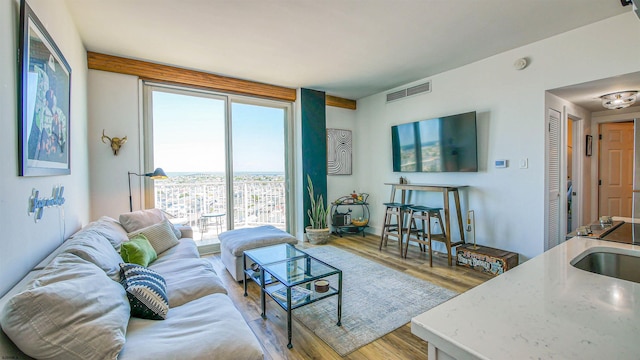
{"x": 318, "y": 232}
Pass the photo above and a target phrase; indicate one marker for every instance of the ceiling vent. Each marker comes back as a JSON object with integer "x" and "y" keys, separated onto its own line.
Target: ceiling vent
{"x": 410, "y": 91}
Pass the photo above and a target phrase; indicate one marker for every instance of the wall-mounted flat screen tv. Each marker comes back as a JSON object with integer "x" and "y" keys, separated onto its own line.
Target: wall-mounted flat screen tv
{"x": 445, "y": 144}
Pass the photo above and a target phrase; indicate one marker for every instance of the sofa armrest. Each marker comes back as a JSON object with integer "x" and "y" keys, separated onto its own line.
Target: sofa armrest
{"x": 185, "y": 230}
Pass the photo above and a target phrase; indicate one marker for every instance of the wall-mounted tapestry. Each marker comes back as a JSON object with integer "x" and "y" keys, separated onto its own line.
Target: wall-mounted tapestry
{"x": 338, "y": 152}
{"x": 45, "y": 101}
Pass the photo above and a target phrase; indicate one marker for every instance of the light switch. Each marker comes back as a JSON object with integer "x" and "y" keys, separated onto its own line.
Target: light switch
{"x": 524, "y": 163}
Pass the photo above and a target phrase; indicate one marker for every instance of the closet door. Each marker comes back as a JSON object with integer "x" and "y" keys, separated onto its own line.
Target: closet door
{"x": 553, "y": 236}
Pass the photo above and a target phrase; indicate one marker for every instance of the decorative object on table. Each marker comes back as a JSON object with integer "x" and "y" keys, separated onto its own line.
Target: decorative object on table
{"x": 606, "y": 221}
{"x": 359, "y": 221}
{"x": 354, "y": 198}
{"x": 471, "y": 226}
{"x": 157, "y": 174}
{"x": 45, "y": 93}
{"x": 37, "y": 205}
{"x": 341, "y": 219}
{"x": 116, "y": 143}
{"x": 318, "y": 232}
{"x": 298, "y": 294}
{"x": 347, "y": 222}
{"x": 486, "y": 259}
{"x": 589, "y": 147}
{"x": 321, "y": 286}
{"x": 372, "y": 294}
{"x": 338, "y": 152}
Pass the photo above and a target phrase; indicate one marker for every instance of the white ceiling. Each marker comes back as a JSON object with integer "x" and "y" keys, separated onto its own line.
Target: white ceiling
{"x": 348, "y": 48}
{"x": 587, "y": 95}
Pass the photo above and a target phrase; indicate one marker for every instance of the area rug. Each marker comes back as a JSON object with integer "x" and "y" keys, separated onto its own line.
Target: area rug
{"x": 376, "y": 300}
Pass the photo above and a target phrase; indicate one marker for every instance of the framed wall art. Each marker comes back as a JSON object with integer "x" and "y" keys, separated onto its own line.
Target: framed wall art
{"x": 338, "y": 152}
{"x": 45, "y": 101}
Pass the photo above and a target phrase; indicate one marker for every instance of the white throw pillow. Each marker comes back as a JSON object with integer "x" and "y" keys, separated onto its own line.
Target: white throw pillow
{"x": 160, "y": 236}
{"x": 110, "y": 228}
{"x": 141, "y": 219}
{"x": 72, "y": 310}
{"x": 95, "y": 248}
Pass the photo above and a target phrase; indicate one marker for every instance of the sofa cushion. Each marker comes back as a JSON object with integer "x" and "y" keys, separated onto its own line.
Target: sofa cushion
{"x": 239, "y": 240}
{"x": 138, "y": 250}
{"x": 146, "y": 291}
{"x": 140, "y": 219}
{"x": 92, "y": 246}
{"x": 71, "y": 310}
{"x": 188, "y": 279}
{"x": 207, "y": 328}
{"x": 159, "y": 235}
{"x": 110, "y": 228}
{"x": 186, "y": 249}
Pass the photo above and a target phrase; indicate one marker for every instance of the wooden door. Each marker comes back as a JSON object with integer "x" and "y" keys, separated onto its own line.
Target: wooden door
{"x": 616, "y": 169}
{"x": 554, "y": 213}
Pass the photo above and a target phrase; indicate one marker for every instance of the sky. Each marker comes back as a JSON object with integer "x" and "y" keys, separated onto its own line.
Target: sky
{"x": 189, "y": 135}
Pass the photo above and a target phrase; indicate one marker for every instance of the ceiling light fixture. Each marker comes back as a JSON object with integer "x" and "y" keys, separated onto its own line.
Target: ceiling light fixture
{"x": 619, "y": 100}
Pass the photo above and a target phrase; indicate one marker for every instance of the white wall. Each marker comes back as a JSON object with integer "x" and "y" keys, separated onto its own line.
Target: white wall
{"x": 508, "y": 203}
{"x": 24, "y": 243}
{"x": 341, "y": 185}
{"x": 113, "y": 107}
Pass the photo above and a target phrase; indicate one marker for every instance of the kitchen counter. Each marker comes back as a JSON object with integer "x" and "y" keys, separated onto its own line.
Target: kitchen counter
{"x": 542, "y": 309}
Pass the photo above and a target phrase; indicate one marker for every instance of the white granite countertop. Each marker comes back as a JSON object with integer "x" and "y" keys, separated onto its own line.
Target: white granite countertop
{"x": 542, "y": 309}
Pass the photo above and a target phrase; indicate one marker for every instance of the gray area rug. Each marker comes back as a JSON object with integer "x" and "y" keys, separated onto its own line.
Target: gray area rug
{"x": 376, "y": 300}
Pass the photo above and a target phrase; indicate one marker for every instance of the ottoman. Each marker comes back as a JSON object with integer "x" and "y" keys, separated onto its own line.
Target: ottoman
{"x": 234, "y": 242}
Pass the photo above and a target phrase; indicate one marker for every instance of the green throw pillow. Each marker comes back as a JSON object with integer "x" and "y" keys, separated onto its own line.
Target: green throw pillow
{"x": 138, "y": 250}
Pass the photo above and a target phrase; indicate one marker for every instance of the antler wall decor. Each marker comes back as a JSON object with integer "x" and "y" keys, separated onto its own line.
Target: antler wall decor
{"x": 116, "y": 143}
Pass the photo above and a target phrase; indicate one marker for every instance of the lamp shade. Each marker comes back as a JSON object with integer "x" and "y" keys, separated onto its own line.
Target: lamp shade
{"x": 157, "y": 174}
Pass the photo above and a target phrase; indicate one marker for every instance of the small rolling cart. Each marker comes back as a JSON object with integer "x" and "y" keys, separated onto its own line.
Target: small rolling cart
{"x": 350, "y": 214}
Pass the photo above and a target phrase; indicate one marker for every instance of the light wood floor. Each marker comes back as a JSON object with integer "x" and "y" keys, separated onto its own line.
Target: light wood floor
{"x": 399, "y": 344}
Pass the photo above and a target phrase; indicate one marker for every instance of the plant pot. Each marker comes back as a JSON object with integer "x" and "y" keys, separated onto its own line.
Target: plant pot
{"x": 318, "y": 236}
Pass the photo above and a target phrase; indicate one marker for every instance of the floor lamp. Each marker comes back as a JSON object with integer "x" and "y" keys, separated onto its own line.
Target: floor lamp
{"x": 155, "y": 175}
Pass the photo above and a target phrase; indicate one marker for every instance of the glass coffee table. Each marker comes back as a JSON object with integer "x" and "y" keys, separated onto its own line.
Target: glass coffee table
{"x": 287, "y": 275}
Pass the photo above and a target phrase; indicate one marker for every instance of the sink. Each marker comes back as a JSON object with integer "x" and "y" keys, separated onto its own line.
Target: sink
{"x": 610, "y": 262}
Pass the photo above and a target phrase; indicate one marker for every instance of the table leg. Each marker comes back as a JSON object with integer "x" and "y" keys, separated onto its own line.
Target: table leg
{"x": 244, "y": 267}
{"x": 400, "y": 225}
{"x": 447, "y": 221}
{"x": 456, "y": 197}
{"x": 262, "y": 296}
{"x": 289, "y": 345}
{"x": 339, "y": 299}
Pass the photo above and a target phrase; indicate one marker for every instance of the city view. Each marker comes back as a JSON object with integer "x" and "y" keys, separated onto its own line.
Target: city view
{"x": 200, "y": 200}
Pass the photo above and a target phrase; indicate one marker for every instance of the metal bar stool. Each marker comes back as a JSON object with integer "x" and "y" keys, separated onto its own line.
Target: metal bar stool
{"x": 424, "y": 236}
{"x": 394, "y": 229}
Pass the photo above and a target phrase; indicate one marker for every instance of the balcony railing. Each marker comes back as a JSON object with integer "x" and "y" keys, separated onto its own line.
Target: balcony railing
{"x": 254, "y": 202}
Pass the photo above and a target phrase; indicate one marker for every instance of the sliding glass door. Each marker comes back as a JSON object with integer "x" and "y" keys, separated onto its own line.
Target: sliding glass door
{"x": 259, "y": 163}
{"x": 226, "y": 158}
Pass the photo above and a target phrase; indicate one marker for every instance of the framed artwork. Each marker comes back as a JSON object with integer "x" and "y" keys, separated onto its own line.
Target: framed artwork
{"x": 338, "y": 152}
{"x": 45, "y": 101}
{"x": 589, "y": 146}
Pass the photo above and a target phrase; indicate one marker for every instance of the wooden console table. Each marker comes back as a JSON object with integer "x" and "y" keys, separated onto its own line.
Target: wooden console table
{"x": 445, "y": 190}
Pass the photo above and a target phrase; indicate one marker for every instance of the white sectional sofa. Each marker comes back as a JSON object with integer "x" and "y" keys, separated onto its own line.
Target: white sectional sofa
{"x": 73, "y": 305}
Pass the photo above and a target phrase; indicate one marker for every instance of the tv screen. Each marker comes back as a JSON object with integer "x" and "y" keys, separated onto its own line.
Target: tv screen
{"x": 445, "y": 144}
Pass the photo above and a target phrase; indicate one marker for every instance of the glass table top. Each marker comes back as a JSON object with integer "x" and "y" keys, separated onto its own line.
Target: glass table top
{"x": 299, "y": 270}
{"x": 269, "y": 254}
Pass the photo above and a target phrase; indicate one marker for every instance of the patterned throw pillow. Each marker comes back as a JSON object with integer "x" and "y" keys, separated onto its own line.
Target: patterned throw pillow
{"x": 159, "y": 235}
{"x": 146, "y": 291}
